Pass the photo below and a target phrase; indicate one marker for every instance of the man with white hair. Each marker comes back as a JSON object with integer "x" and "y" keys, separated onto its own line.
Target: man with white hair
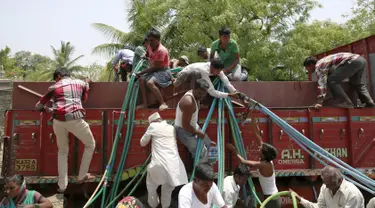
{"x": 166, "y": 167}
{"x": 335, "y": 192}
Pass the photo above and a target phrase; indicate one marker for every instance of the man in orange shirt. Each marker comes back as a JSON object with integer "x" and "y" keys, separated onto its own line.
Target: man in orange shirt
{"x": 158, "y": 74}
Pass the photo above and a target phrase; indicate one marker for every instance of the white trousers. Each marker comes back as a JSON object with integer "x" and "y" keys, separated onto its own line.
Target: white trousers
{"x": 236, "y": 74}
{"x": 153, "y": 198}
{"x": 81, "y": 130}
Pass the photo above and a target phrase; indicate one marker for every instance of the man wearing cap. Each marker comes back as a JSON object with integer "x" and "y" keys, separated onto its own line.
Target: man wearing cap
{"x": 204, "y": 70}
{"x": 227, "y": 50}
{"x": 186, "y": 122}
{"x": 125, "y": 56}
{"x": 166, "y": 167}
{"x": 181, "y": 62}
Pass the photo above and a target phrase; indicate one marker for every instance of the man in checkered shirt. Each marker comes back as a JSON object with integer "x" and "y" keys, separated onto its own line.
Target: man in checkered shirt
{"x": 68, "y": 116}
{"x": 332, "y": 70}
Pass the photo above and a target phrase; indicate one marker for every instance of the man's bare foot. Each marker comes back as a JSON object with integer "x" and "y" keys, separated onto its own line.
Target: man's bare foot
{"x": 163, "y": 107}
{"x": 140, "y": 107}
{"x": 86, "y": 178}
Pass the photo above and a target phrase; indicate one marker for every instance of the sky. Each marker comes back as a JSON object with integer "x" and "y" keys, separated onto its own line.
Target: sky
{"x": 37, "y": 24}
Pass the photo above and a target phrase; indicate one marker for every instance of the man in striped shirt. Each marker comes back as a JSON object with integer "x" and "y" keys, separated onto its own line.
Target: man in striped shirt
{"x": 67, "y": 95}
{"x": 332, "y": 70}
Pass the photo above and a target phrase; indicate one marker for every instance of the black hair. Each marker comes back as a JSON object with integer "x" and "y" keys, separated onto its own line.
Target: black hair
{"x": 217, "y": 63}
{"x": 310, "y": 60}
{"x": 16, "y": 178}
{"x": 204, "y": 172}
{"x": 144, "y": 40}
{"x": 63, "y": 72}
{"x": 224, "y": 31}
{"x": 201, "y": 50}
{"x": 269, "y": 152}
{"x": 242, "y": 170}
{"x": 201, "y": 84}
{"x": 154, "y": 33}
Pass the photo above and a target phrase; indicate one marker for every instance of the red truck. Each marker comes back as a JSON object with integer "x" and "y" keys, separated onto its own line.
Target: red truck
{"x": 349, "y": 134}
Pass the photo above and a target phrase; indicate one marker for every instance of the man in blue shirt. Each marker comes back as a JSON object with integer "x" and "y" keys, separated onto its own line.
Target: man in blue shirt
{"x": 125, "y": 57}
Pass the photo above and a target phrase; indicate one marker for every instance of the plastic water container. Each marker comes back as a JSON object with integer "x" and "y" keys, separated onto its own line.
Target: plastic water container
{"x": 212, "y": 154}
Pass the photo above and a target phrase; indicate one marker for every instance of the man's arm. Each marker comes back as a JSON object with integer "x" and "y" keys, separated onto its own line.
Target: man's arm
{"x": 116, "y": 59}
{"x": 211, "y": 89}
{"x": 44, "y": 100}
{"x": 218, "y": 199}
{"x": 226, "y": 82}
{"x": 146, "y": 137}
{"x": 355, "y": 200}
{"x": 187, "y": 107}
{"x": 234, "y": 64}
{"x": 251, "y": 163}
{"x": 41, "y": 201}
{"x": 156, "y": 66}
{"x": 322, "y": 87}
{"x": 321, "y": 200}
{"x": 228, "y": 198}
{"x": 85, "y": 91}
{"x": 256, "y": 131}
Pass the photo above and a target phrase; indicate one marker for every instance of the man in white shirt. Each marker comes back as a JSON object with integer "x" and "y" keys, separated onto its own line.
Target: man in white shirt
{"x": 202, "y": 192}
{"x": 204, "y": 71}
{"x": 335, "y": 192}
{"x": 371, "y": 203}
{"x": 232, "y": 184}
{"x": 166, "y": 168}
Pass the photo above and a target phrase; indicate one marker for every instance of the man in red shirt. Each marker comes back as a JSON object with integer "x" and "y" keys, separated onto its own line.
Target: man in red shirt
{"x": 158, "y": 74}
{"x": 67, "y": 95}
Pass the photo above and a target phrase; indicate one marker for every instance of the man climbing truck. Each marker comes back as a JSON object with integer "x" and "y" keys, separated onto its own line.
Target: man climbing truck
{"x": 125, "y": 57}
{"x": 68, "y": 116}
{"x": 166, "y": 167}
{"x": 332, "y": 70}
{"x": 186, "y": 123}
{"x": 204, "y": 70}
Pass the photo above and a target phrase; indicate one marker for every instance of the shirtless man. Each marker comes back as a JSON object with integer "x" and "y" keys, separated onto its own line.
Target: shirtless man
{"x": 186, "y": 123}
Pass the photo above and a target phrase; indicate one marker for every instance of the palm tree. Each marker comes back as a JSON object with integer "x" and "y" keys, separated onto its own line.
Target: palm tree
{"x": 142, "y": 17}
{"x": 63, "y": 58}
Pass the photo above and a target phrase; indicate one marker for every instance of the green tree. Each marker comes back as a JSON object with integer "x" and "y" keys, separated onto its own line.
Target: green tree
{"x": 362, "y": 24}
{"x": 306, "y": 40}
{"x": 257, "y": 26}
{"x": 93, "y": 71}
{"x": 63, "y": 57}
{"x": 8, "y": 68}
{"x": 30, "y": 63}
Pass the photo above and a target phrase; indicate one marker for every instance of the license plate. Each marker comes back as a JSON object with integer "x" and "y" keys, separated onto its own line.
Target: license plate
{"x": 25, "y": 165}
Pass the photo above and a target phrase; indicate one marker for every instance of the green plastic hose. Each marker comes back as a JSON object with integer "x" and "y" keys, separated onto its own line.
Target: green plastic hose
{"x": 282, "y": 193}
{"x": 238, "y": 141}
{"x": 143, "y": 168}
{"x": 129, "y": 132}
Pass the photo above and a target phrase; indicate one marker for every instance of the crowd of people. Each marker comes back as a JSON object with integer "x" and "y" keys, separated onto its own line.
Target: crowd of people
{"x": 166, "y": 168}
